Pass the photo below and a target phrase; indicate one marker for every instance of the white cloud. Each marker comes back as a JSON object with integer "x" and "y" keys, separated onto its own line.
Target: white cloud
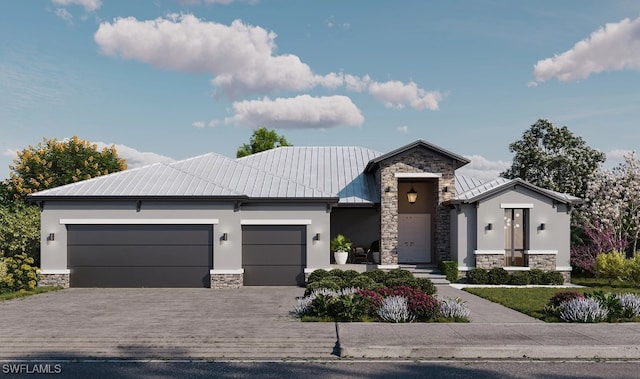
{"x": 12, "y": 153}
{"x": 616, "y": 46}
{"x": 356, "y": 83}
{"x": 403, "y": 128}
{"x": 241, "y": 57}
{"x": 134, "y": 157}
{"x": 64, "y": 14}
{"x": 198, "y": 124}
{"x": 395, "y": 94}
{"x": 88, "y": 5}
{"x": 482, "y": 168}
{"x": 300, "y": 112}
{"x": 214, "y": 123}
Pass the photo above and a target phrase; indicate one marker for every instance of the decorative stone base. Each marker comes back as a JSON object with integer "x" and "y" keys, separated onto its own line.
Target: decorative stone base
{"x": 545, "y": 262}
{"x": 54, "y": 280}
{"x": 227, "y": 280}
{"x": 489, "y": 261}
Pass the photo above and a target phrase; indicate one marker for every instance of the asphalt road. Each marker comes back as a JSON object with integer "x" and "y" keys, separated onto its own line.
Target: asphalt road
{"x": 328, "y": 369}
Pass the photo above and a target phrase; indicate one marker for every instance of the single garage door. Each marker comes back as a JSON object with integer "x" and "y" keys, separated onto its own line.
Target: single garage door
{"x": 139, "y": 255}
{"x": 274, "y": 255}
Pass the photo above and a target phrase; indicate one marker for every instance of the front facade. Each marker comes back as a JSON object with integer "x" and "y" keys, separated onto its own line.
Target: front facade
{"x": 267, "y": 219}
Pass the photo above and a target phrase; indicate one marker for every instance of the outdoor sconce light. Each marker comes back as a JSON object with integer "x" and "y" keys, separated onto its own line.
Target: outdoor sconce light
{"x": 51, "y": 237}
{"x": 412, "y": 195}
{"x": 543, "y": 226}
{"x": 224, "y": 237}
{"x": 445, "y": 189}
{"x": 387, "y": 189}
{"x": 316, "y": 237}
{"x": 489, "y": 226}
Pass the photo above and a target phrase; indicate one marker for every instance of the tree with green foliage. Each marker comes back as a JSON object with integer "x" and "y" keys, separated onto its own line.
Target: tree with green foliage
{"x": 53, "y": 163}
{"x": 19, "y": 230}
{"x": 261, "y": 140}
{"x": 554, "y": 158}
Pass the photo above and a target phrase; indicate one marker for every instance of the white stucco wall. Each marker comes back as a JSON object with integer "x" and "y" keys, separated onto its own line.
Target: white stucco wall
{"x": 227, "y": 255}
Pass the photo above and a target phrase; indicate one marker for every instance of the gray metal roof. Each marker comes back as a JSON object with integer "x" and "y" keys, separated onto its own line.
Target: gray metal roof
{"x": 469, "y": 190}
{"x": 209, "y": 175}
{"x": 338, "y": 170}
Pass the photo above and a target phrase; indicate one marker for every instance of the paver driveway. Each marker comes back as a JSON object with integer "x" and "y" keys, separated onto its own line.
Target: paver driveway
{"x": 131, "y": 323}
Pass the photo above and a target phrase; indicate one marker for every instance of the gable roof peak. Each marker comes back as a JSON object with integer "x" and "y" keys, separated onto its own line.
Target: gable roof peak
{"x": 458, "y": 160}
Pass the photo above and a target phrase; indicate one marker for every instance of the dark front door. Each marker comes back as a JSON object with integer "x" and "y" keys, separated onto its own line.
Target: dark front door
{"x": 274, "y": 255}
{"x": 139, "y": 255}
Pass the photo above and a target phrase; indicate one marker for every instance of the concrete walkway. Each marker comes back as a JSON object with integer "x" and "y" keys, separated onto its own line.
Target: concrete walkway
{"x": 254, "y": 323}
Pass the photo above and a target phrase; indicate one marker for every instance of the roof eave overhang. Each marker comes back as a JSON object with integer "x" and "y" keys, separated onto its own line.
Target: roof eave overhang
{"x": 35, "y": 199}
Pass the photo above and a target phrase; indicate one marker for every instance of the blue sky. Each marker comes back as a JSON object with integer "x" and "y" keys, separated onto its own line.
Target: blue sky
{"x": 170, "y": 79}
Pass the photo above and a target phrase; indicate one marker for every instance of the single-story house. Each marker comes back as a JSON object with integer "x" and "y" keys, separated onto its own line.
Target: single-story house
{"x": 268, "y": 219}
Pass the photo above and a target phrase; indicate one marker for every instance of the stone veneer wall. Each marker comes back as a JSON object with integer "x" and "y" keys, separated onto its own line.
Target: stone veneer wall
{"x": 546, "y": 262}
{"x": 61, "y": 280}
{"x": 489, "y": 261}
{"x": 416, "y": 160}
{"x": 227, "y": 280}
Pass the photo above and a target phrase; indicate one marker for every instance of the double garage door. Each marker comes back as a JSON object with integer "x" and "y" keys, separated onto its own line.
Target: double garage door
{"x": 179, "y": 255}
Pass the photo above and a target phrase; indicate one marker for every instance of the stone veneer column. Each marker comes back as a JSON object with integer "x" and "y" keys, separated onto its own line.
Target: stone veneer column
{"x": 546, "y": 262}
{"x": 54, "y": 280}
{"x": 416, "y": 160}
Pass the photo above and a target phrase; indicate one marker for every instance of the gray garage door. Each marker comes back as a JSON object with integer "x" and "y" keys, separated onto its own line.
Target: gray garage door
{"x": 139, "y": 255}
{"x": 274, "y": 255}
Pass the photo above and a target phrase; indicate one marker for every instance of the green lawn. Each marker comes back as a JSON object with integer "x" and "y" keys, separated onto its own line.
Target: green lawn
{"x": 24, "y": 293}
{"x": 531, "y": 301}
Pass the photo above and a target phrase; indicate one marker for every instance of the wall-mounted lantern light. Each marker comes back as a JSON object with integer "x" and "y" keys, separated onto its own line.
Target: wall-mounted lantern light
{"x": 543, "y": 226}
{"x": 51, "y": 237}
{"x": 445, "y": 189}
{"x": 316, "y": 237}
{"x": 489, "y": 226}
{"x": 412, "y": 195}
{"x": 224, "y": 237}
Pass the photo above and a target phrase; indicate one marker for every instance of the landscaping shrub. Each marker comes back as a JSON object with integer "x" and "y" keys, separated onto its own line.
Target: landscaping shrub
{"x": 334, "y": 279}
{"x": 583, "y": 310}
{"x": 317, "y": 275}
{"x": 520, "y": 278}
{"x": 611, "y": 266}
{"x": 336, "y": 272}
{"x": 396, "y": 282}
{"x": 449, "y": 269}
{"x": 563, "y": 296}
{"x": 426, "y": 286}
{"x": 348, "y": 275}
{"x": 379, "y": 276}
{"x": 372, "y": 300}
{"x": 348, "y": 307}
{"x": 553, "y": 277}
{"x": 324, "y": 283}
{"x": 630, "y": 303}
{"x": 422, "y": 305}
{"x": 633, "y": 269}
{"x": 610, "y": 301}
{"x": 478, "y": 276}
{"x": 454, "y": 308}
{"x": 498, "y": 275}
{"x": 395, "y": 309}
{"x": 536, "y": 276}
{"x": 400, "y": 274}
{"x": 19, "y": 273}
{"x": 363, "y": 282}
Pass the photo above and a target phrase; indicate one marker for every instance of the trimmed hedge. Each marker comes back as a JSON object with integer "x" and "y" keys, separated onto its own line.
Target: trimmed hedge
{"x": 499, "y": 275}
{"x": 337, "y": 279}
{"x": 449, "y": 269}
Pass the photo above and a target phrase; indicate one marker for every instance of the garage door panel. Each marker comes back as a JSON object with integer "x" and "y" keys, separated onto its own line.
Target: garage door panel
{"x": 139, "y": 234}
{"x": 156, "y": 256}
{"x": 261, "y": 255}
{"x": 273, "y": 276}
{"x": 136, "y": 277}
{"x": 273, "y": 235}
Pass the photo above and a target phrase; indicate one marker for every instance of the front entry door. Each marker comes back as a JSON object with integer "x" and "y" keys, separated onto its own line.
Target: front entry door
{"x": 414, "y": 238}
